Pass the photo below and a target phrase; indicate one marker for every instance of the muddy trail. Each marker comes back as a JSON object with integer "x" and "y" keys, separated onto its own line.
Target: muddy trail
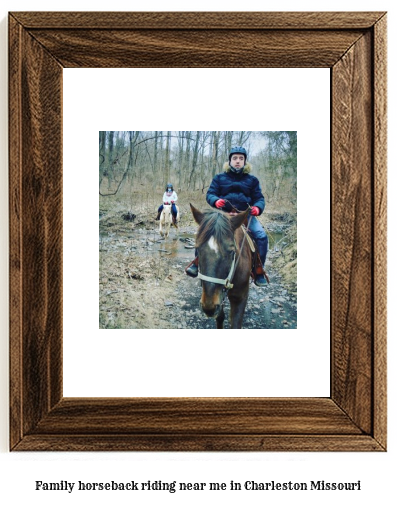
{"x": 143, "y": 284}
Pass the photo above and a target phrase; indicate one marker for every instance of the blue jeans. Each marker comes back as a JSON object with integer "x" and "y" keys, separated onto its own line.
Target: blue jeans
{"x": 260, "y": 237}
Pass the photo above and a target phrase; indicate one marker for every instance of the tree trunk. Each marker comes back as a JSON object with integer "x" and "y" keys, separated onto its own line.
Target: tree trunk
{"x": 195, "y": 155}
{"x": 156, "y": 138}
{"x": 133, "y": 136}
{"x": 181, "y": 142}
{"x": 215, "y": 147}
{"x": 186, "y": 164}
{"x": 102, "y": 155}
{"x": 110, "y": 159}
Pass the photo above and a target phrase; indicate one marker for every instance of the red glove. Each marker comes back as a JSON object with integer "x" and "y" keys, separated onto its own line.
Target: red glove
{"x": 172, "y": 202}
{"x": 255, "y": 211}
{"x": 220, "y": 203}
{"x": 166, "y": 203}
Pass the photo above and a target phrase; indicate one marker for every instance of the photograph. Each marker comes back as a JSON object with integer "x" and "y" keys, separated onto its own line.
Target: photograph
{"x": 197, "y": 229}
{"x": 118, "y": 275}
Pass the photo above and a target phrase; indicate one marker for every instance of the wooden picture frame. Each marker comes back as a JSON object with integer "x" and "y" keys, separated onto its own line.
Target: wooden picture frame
{"x": 353, "y": 46}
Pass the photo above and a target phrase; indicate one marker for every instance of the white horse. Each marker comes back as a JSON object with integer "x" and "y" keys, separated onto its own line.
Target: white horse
{"x": 166, "y": 220}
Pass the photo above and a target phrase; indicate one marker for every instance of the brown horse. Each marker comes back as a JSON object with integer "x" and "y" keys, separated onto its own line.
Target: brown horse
{"x": 224, "y": 264}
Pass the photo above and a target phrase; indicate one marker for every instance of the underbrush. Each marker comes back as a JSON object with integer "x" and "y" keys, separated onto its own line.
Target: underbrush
{"x": 285, "y": 260}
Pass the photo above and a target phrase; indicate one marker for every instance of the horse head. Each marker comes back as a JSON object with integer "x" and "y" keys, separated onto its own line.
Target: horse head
{"x": 216, "y": 245}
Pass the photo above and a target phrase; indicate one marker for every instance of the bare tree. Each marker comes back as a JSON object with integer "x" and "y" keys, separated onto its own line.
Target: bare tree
{"x": 128, "y": 158}
{"x": 181, "y": 142}
{"x": 186, "y": 164}
{"x": 214, "y": 154}
{"x": 195, "y": 155}
{"x": 102, "y": 154}
{"x": 133, "y": 137}
{"x": 110, "y": 158}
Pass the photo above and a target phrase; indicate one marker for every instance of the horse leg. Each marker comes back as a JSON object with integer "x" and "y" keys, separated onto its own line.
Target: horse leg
{"x": 237, "y": 309}
{"x": 220, "y": 319}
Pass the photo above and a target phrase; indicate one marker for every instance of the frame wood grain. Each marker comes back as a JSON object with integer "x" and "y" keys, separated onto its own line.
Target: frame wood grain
{"x": 353, "y": 46}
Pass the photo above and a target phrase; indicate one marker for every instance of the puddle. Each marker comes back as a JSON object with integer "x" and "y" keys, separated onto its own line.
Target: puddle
{"x": 143, "y": 242}
{"x": 275, "y": 240}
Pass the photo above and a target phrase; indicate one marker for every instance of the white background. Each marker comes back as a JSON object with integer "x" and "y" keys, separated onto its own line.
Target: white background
{"x": 230, "y": 363}
{"x": 19, "y": 471}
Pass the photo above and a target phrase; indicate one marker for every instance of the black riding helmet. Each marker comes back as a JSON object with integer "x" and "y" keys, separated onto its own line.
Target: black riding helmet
{"x": 169, "y": 186}
{"x": 238, "y": 149}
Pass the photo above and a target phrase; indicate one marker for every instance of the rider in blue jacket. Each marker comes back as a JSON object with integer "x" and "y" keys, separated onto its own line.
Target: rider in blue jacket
{"x": 234, "y": 190}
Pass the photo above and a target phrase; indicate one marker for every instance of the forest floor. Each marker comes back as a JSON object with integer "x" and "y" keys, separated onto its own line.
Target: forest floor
{"x": 142, "y": 280}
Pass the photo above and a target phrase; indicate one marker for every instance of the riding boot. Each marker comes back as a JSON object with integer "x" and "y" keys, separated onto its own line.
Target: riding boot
{"x": 258, "y": 273}
{"x": 158, "y": 216}
{"x": 192, "y": 269}
{"x": 262, "y": 244}
{"x": 260, "y": 277}
{"x": 260, "y": 281}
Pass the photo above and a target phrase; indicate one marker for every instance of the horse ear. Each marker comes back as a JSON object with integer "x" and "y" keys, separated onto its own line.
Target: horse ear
{"x": 238, "y": 220}
{"x": 197, "y": 214}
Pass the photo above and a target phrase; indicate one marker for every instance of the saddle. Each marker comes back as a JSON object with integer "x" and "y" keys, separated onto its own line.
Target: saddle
{"x": 256, "y": 268}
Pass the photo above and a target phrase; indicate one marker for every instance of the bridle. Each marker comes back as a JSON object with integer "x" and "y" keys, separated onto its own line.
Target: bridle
{"x": 227, "y": 282}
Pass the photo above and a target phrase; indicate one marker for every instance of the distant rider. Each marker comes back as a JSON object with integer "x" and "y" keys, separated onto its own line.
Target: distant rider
{"x": 169, "y": 197}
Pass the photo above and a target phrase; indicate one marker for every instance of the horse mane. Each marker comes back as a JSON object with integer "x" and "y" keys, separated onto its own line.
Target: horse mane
{"x": 216, "y": 224}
